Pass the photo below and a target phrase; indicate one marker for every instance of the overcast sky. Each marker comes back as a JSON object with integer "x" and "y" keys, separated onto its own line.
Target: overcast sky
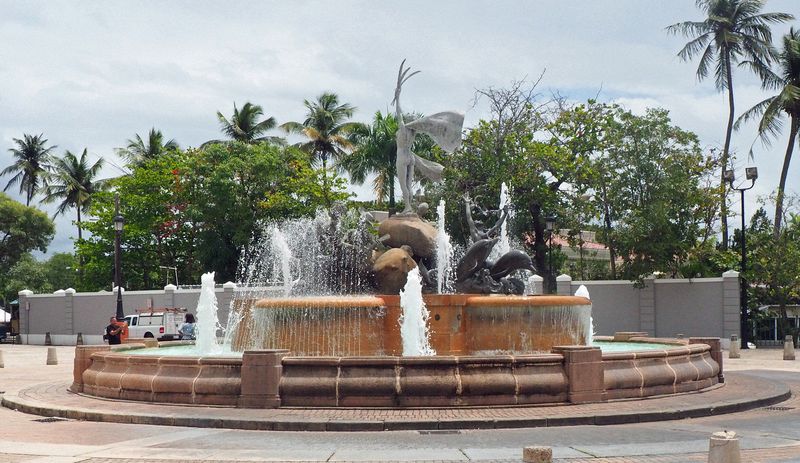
{"x": 91, "y": 74}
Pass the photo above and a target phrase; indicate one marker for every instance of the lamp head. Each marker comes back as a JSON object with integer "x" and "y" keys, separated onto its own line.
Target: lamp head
{"x": 751, "y": 173}
{"x": 729, "y": 176}
{"x": 119, "y": 221}
{"x": 550, "y": 223}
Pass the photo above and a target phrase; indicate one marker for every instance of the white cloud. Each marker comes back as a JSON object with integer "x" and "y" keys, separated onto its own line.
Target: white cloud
{"x": 94, "y": 73}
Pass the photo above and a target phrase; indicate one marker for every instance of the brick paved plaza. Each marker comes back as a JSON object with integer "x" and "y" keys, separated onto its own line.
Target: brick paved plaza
{"x": 91, "y": 430}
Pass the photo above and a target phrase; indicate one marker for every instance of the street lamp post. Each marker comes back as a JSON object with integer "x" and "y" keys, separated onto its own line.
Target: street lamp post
{"x": 751, "y": 173}
{"x": 550, "y": 225}
{"x": 119, "y": 221}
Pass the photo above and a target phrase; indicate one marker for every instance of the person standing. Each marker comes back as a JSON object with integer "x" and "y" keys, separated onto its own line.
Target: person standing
{"x": 114, "y": 332}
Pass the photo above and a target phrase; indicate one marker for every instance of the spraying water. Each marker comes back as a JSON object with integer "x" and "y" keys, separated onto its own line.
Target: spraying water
{"x": 504, "y": 244}
{"x": 444, "y": 251}
{"x": 584, "y": 292}
{"x": 414, "y": 320}
{"x": 284, "y": 258}
{"x": 207, "y": 322}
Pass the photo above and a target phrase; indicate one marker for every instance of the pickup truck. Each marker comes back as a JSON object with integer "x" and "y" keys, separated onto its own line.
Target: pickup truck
{"x": 159, "y": 323}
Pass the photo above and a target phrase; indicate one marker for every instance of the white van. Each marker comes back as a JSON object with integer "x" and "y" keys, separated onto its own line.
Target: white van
{"x": 160, "y": 323}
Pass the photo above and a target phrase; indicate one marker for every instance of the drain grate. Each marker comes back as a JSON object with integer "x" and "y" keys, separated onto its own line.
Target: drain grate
{"x": 51, "y": 419}
{"x": 440, "y": 431}
{"x": 778, "y": 409}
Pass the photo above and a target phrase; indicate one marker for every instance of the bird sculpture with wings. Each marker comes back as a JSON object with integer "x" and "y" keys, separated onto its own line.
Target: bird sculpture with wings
{"x": 444, "y": 128}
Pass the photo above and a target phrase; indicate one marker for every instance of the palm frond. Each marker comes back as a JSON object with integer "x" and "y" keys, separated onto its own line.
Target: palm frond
{"x": 753, "y": 113}
{"x": 292, "y": 127}
{"x": 689, "y": 28}
{"x": 705, "y": 61}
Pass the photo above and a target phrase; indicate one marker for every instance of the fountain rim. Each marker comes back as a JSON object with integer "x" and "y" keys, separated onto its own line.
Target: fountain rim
{"x": 559, "y": 376}
{"x": 678, "y": 347}
{"x": 331, "y": 301}
{"x": 381, "y": 300}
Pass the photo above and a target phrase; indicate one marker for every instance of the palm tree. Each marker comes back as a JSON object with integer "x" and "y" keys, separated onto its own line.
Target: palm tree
{"x": 245, "y": 127}
{"x": 138, "y": 151}
{"x": 770, "y": 110}
{"x": 327, "y": 129}
{"x": 31, "y": 165}
{"x": 73, "y": 182}
{"x": 374, "y": 152}
{"x": 734, "y": 32}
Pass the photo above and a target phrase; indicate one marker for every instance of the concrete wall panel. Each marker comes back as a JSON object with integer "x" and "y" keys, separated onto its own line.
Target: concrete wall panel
{"x": 615, "y": 305}
{"x": 666, "y": 307}
{"x": 693, "y": 308}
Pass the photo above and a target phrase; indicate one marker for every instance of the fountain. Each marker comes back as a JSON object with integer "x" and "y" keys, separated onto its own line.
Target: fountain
{"x": 444, "y": 251}
{"x": 207, "y": 321}
{"x": 367, "y": 325}
{"x": 414, "y": 321}
{"x": 284, "y": 262}
{"x": 504, "y": 244}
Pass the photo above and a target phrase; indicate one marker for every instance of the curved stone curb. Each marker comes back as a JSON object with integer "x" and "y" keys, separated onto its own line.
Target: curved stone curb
{"x": 737, "y": 396}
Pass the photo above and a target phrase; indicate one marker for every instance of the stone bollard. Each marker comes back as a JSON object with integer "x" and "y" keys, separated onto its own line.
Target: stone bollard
{"x": 788, "y": 348}
{"x": 734, "y": 353}
{"x": 47, "y": 340}
{"x": 79, "y": 340}
{"x": 2, "y": 364}
{"x": 52, "y": 358}
{"x": 723, "y": 447}
{"x": 537, "y": 455}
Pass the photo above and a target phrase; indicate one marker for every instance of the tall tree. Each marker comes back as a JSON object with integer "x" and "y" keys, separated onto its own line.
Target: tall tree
{"x": 787, "y": 102}
{"x": 374, "y": 152}
{"x": 27, "y": 273}
{"x": 138, "y": 151}
{"x": 509, "y": 148}
{"x": 735, "y": 32}
{"x": 656, "y": 198}
{"x": 73, "y": 182}
{"x": 245, "y": 126}
{"x": 327, "y": 128}
{"x": 775, "y": 264}
{"x": 32, "y": 162}
{"x": 199, "y": 210}
{"x": 22, "y": 229}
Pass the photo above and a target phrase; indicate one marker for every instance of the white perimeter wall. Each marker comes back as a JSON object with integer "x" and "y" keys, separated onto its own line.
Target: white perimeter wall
{"x": 662, "y": 308}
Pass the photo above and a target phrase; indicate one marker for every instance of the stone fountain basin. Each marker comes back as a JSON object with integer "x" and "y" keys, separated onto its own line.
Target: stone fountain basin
{"x": 459, "y": 324}
{"x": 272, "y": 378}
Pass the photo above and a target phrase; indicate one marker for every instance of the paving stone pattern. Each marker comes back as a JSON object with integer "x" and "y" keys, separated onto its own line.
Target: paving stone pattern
{"x": 740, "y": 392}
{"x": 764, "y": 431}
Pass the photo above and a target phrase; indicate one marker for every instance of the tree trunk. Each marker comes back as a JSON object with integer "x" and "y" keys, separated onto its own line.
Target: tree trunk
{"x": 80, "y": 237}
{"x": 325, "y": 195}
{"x": 612, "y": 252}
{"x": 776, "y": 231}
{"x": 80, "y": 234}
{"x": 539, "y": 244}
{"x": 726, "y": 154}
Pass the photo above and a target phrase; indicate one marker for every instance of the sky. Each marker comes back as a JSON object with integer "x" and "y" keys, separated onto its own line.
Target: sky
{"x": 92, "y": 74}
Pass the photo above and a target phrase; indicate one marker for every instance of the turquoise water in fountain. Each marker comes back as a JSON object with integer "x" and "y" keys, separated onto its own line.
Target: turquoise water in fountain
{"x": 611, "y": 346}
{"x": 190, "y": 351}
